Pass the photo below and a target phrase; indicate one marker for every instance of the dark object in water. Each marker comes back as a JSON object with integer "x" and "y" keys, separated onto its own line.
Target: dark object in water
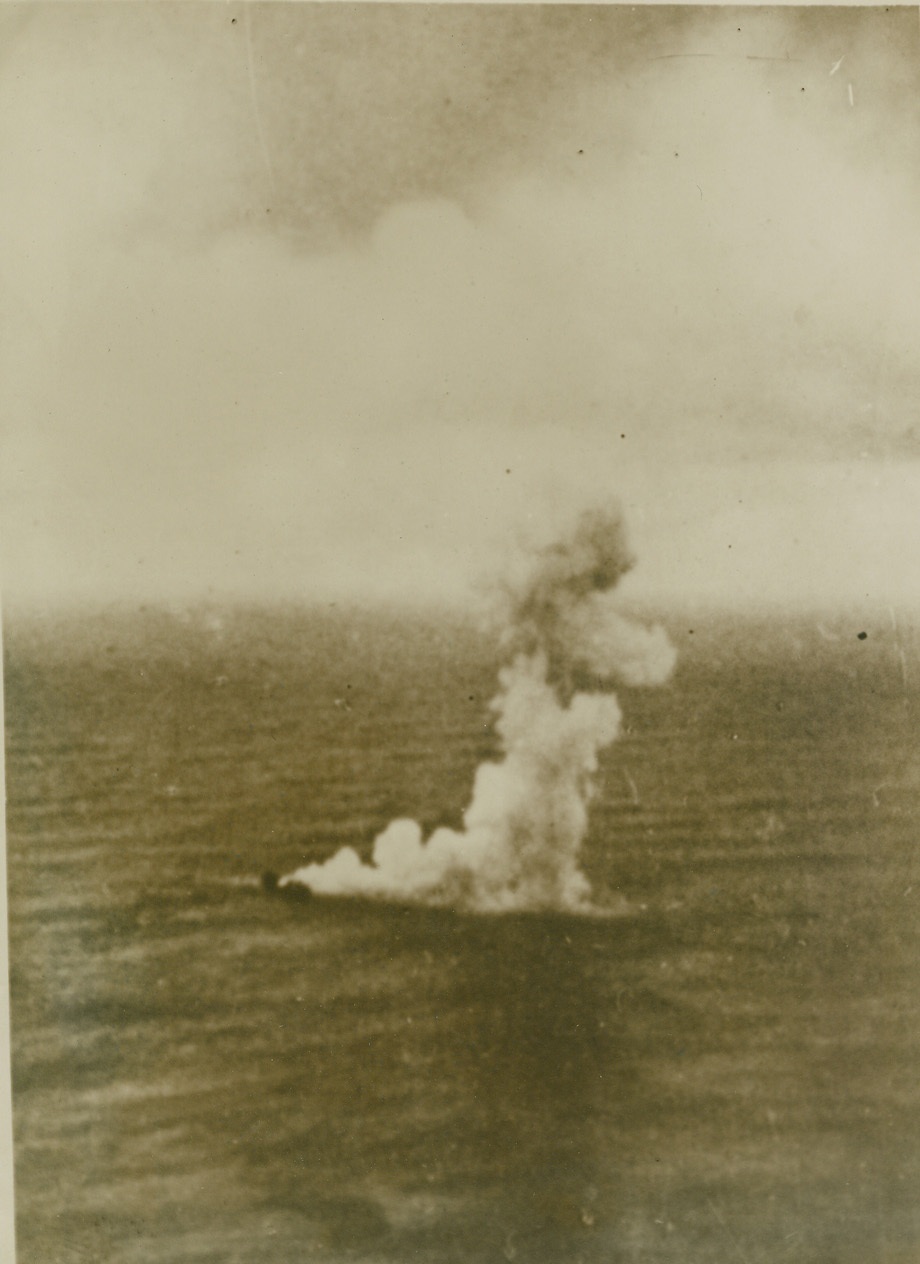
{"x": 271, "y": 884}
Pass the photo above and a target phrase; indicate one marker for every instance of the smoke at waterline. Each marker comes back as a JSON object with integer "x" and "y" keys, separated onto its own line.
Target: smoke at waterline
{"x": 528, "y": 815}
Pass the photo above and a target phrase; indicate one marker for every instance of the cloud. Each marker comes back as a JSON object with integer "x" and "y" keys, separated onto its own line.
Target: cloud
{"x": 705, "y": 272}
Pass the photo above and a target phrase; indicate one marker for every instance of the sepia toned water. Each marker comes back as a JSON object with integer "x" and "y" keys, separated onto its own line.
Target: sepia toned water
{"x": 204, "y": 1072}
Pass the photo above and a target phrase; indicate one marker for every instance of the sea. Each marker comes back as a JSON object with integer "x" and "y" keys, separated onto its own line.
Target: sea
{"x": 724, "y": 1070}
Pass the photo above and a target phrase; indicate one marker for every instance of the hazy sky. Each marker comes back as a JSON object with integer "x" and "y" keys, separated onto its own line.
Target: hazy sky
{"x": 331, "y": 301}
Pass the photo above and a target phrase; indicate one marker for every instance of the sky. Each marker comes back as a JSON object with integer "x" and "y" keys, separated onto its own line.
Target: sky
{"x": 351, "y": 302}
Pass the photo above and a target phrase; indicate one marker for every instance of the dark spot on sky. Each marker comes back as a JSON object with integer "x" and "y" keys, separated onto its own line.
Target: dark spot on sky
{"x": 861, "y": 636}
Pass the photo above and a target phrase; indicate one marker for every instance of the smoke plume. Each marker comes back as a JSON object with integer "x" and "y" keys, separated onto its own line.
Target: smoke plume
{"x": 528, "y": 816}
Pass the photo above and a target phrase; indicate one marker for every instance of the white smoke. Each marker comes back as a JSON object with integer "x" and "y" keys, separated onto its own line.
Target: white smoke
{"x": 523, "y": 830}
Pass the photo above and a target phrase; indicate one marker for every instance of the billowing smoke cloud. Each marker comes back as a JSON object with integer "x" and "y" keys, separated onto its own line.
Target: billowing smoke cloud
{"x": 524, "y": 827}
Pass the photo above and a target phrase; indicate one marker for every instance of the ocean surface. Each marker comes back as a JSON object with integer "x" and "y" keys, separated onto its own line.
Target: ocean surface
{"x": 727, "y": 1071}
